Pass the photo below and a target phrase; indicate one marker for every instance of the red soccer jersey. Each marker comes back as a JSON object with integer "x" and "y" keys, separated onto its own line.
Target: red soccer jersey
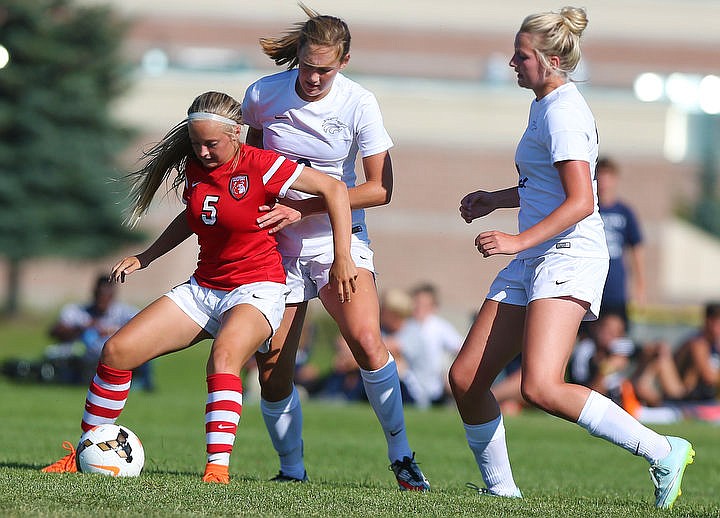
{"x": 222, "y": 209}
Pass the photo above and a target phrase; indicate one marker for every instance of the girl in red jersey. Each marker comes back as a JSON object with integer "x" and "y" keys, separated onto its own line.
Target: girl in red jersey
{"x": 237, "y": 292}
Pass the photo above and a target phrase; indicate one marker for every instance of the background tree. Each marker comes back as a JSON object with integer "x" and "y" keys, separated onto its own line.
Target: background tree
{"x": 706, "y": 213}
{"x": 58, "y": 142}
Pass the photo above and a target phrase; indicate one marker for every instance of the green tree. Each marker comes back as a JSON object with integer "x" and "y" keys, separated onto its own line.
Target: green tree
{"x": 58, "y": 141}
{"x": 706, "y": 212}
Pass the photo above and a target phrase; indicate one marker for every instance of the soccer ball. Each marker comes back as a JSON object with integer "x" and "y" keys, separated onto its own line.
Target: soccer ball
{"x": 110, "y": 449}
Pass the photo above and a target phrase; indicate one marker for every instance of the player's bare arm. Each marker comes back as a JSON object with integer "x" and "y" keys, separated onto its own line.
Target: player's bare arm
{"x": 343, "y": 272}
{"x": 374, "y": 192}
{"x": 579, "y": 203}
{"x": 481, "y": 203}
{"x": 175, "y": 233}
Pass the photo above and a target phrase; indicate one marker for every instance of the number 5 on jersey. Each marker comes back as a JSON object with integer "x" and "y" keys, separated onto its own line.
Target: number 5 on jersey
{"x": 209, "y": 211}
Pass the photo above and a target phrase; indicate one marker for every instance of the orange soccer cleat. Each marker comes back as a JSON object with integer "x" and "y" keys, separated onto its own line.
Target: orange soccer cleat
{"x": 65, "y": 465}
{"x": 216, "y": 474}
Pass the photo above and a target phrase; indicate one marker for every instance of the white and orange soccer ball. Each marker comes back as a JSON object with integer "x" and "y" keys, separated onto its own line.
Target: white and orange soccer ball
{"x": 110, "y": 449}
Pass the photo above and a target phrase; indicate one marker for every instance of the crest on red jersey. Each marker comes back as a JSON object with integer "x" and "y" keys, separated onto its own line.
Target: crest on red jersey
{"x": 239, "y": 186}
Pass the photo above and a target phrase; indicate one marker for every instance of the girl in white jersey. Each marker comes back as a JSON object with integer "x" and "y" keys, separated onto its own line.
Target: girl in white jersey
{"x": 313, "y": 114}
{"x": 536, "y": 304}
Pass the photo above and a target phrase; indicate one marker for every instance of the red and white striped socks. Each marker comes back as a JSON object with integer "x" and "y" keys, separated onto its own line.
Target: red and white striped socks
{"x": 222, "y": 415}
{"x": 109, "y": 391}
{"x": 106, "y": 396}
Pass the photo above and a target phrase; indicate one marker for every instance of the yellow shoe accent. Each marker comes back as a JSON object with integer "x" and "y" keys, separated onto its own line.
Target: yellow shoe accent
{"x": 667, "y": 474}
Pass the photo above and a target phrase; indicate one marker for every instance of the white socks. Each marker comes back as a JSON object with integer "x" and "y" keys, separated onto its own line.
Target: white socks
{"x": 487, "y": 442}
{"x": 382, "y": 387}
{"x": 600, "y": 417}
{"x": 603, "y": 418}
{"x": 283, "y": 420}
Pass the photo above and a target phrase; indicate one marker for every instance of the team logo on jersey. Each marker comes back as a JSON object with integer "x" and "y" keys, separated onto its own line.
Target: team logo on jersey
{"x": 333, "y": 126}
{"x": 239, "y": 186}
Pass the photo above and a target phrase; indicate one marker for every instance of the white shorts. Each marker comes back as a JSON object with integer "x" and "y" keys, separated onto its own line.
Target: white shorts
{"x": 206, "y": 306}
{"x": 307, "y": 275}
{"x": 550, "y": 276}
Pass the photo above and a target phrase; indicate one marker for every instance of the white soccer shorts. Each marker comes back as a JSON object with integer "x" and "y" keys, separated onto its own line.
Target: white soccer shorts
{"x": 550, "y": 276}
{"x": 306, "y": 276}
{"x": 206, "y": 306}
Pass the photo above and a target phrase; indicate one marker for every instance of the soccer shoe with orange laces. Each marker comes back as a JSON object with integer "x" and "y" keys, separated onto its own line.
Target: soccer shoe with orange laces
{"x": 67, "y": 464}
{"x": 216, "y": 474}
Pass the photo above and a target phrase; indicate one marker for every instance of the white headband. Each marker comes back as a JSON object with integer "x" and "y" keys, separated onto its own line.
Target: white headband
{"x": 196, "y": 116}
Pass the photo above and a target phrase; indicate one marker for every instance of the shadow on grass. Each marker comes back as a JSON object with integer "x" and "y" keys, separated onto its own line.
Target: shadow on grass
{"x": 19, "y": 465}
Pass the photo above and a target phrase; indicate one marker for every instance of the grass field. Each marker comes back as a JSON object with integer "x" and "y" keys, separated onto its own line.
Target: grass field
{"x": 560, "y": 468}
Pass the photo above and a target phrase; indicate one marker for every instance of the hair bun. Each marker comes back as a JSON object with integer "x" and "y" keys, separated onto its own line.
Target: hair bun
{"x": 575, "y": 18}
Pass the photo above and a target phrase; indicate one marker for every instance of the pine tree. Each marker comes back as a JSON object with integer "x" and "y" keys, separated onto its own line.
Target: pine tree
{"x": 58, "y": 141}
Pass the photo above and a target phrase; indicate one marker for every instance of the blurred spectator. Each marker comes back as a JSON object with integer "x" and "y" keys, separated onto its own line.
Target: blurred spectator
{"x": 698, "y": 359}
{"x": 624, "y": 241}
{"x": 428, "y": 343}
{"x": 395, "y": 308}
{"x": 344, "y": 381}
{"x": 602, "y": 359}
{"x": 689, "y": 374}
{"x": 82, "y": 330}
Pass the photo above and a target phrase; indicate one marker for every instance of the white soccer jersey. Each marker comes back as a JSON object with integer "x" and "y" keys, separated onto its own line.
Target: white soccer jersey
{"x": 326, "y": 134}
{"x": 560, "y": 127}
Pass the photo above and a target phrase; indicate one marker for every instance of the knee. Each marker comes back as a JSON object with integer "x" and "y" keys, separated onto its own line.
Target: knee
{"x": 222, "y": 360}
{"x": 274, "y": 384}
{"x": 536, "y": 394}
{"x": 114, "y": 352}
{"x": 461, "y": 378}
{"x": 275, "y": 390}
{"x": 368, "y": 348}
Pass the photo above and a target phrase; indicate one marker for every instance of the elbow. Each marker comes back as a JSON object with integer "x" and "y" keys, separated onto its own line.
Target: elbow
{"x": 584, "y": 209}
{"x": 339, "y": 191}
{"x": 383, "y": 193}
{"x": 375, "y": 198}
{"x": 387, "y": 196}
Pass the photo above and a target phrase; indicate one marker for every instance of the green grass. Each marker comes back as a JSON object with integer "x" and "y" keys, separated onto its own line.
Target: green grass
{"x": 560, "y": 468}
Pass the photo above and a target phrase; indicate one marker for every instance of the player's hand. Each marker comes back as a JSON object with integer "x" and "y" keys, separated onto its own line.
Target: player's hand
{"x": 277, "y": 217}
{"x": 476, "y": 205}
{"x": 125, "y": 267}
{"x": 494, "y": 242}
{"x": 343, "y": 275}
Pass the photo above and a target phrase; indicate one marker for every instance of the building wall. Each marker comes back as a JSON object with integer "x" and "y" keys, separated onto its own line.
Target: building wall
{"x": 454, "y": 129}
